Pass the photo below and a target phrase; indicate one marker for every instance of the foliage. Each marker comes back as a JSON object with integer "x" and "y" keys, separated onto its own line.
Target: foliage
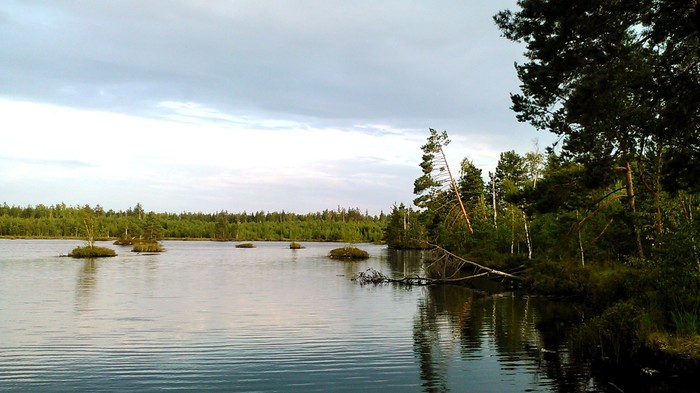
{"x": 471, "y": 184}
{"x": 610, "y": 214}
{"x": 612, "y": 337}
{"x": 576, "y": 219}
{"x": 348, "y": 253}
{"x": 62, "y": 221}
{"x": 295, "y": 246}
{"x": 89, "y": 219}
{"x": 429, "y": 187}
{"x": 620, "y": 82}
{"x": 510, "y": 175}
{"x": 92, "y": 252}
{"x": 152, "y": 228}
{"x": 404, "y": 229}
{"x": 436, "y": 190}
{"x": 560, "y": 279}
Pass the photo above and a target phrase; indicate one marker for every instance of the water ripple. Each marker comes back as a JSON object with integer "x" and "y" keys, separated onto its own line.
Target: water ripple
{"x": 204, "y": 316}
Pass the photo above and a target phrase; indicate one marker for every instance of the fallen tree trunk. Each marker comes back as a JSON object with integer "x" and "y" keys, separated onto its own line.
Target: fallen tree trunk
{"x": 416, "y": 280}
{"x": 477, "y": 266}
{"x": 376, "y": 277}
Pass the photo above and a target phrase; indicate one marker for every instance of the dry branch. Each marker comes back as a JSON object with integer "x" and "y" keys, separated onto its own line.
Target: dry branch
{"x": 478, "y": 266}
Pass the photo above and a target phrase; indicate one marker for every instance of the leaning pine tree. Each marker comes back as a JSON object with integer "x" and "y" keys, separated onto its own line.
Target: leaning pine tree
{"x": 436, "y": 189}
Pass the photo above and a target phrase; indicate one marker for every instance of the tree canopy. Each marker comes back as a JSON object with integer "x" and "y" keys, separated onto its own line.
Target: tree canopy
{"x": 615, "y": 78}
{"x": 619, "y": 81}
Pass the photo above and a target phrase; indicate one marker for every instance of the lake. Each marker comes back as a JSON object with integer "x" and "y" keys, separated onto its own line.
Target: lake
{"x": 209, "y": 316}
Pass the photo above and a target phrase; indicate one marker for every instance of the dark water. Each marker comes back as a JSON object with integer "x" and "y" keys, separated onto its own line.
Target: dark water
{"x": 208, "y": 316}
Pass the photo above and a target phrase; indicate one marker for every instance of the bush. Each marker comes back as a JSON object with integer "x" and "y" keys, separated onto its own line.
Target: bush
{"x": 613, "y": 284}
{"x": 295, "y": 246}
{"x": 559, "y": 279}
{"x": 613, "y": 337}
{"x": 349, "y": 253}
{"x": 245, "y": 245}
{"x": 92, "y": 252}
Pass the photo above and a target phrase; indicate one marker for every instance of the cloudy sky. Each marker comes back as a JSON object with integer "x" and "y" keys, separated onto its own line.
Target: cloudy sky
{"x": 295, "y": 105}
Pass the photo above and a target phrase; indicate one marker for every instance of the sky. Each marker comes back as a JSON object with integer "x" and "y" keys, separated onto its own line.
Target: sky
{"x": 260, "y": 105}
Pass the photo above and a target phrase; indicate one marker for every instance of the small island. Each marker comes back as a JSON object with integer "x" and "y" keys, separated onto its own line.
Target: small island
{"x": 92, "y": 251}
{"x": 295, "y": 246}
{"x": 147, "y": 246}
{"x": 245, "y": 245}
{"x": 349, "y": 253}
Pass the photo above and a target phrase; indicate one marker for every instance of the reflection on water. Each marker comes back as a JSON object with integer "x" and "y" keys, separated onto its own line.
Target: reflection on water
{"x": 87, "y": 278}
{"x": 490, "y": 342}
{"x": 403, "y": 263}
{"x": 455, "y": 322}
{"x": 207, "y": 316}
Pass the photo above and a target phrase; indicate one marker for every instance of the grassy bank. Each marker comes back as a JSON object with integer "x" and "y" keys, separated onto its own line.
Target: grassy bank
{"x": 645, "y": 316}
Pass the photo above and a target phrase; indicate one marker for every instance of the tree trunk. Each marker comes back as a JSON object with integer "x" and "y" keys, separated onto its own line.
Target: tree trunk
{"x": 657, "y": 196}
{"x": 580, "y": 242}
{"x": 493, "y": 198}
{"x": 629, "y": 185}
{"x": 89, "y": 232}
{"x": 459, "y": 197}
{"x": 512, "y": 231}
{"x": 688, "y": 214}
{"x": 527, "y": 237}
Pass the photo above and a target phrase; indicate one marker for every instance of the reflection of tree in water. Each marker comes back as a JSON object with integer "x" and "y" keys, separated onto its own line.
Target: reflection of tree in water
{"x": 434, "y": 331}
{"x": 554, "y": 321}
{"x": 405, "y": 262}
{"x": 458, "y": 319}
{"x": 87, "y": 278}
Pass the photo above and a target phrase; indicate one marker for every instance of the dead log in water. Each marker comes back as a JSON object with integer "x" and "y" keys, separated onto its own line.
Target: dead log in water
{"x": 375, "y": 277}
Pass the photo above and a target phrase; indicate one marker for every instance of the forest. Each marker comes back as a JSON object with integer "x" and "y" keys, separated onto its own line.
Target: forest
{"x": 61, "y": 221}
{"x": 609, "y": 214}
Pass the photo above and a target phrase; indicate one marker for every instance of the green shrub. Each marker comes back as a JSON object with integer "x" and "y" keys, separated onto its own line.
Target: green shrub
{"x": 295, "y": 246}
{"x": 613, "y": 284}
{"x": 559, "y": 278}
{"x": 613, "y": 337}
{"x": 685, "y": 323}
{"x": 92, "y": 252}
{"x": 349, "y": 253}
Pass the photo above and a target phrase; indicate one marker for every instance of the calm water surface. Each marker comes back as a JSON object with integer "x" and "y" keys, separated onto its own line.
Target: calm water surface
{"x": 208, "y": 316}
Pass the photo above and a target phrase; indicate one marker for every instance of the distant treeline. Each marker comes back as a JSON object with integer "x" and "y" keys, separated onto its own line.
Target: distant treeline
{"x": 62, "y": 221}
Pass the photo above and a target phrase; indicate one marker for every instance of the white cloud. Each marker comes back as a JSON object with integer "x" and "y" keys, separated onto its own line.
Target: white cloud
{"x": 82, "y": 147}
{"x": 246, "y": 104}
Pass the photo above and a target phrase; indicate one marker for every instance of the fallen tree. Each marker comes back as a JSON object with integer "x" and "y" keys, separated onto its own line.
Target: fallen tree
{"x": 441, "y": 264}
